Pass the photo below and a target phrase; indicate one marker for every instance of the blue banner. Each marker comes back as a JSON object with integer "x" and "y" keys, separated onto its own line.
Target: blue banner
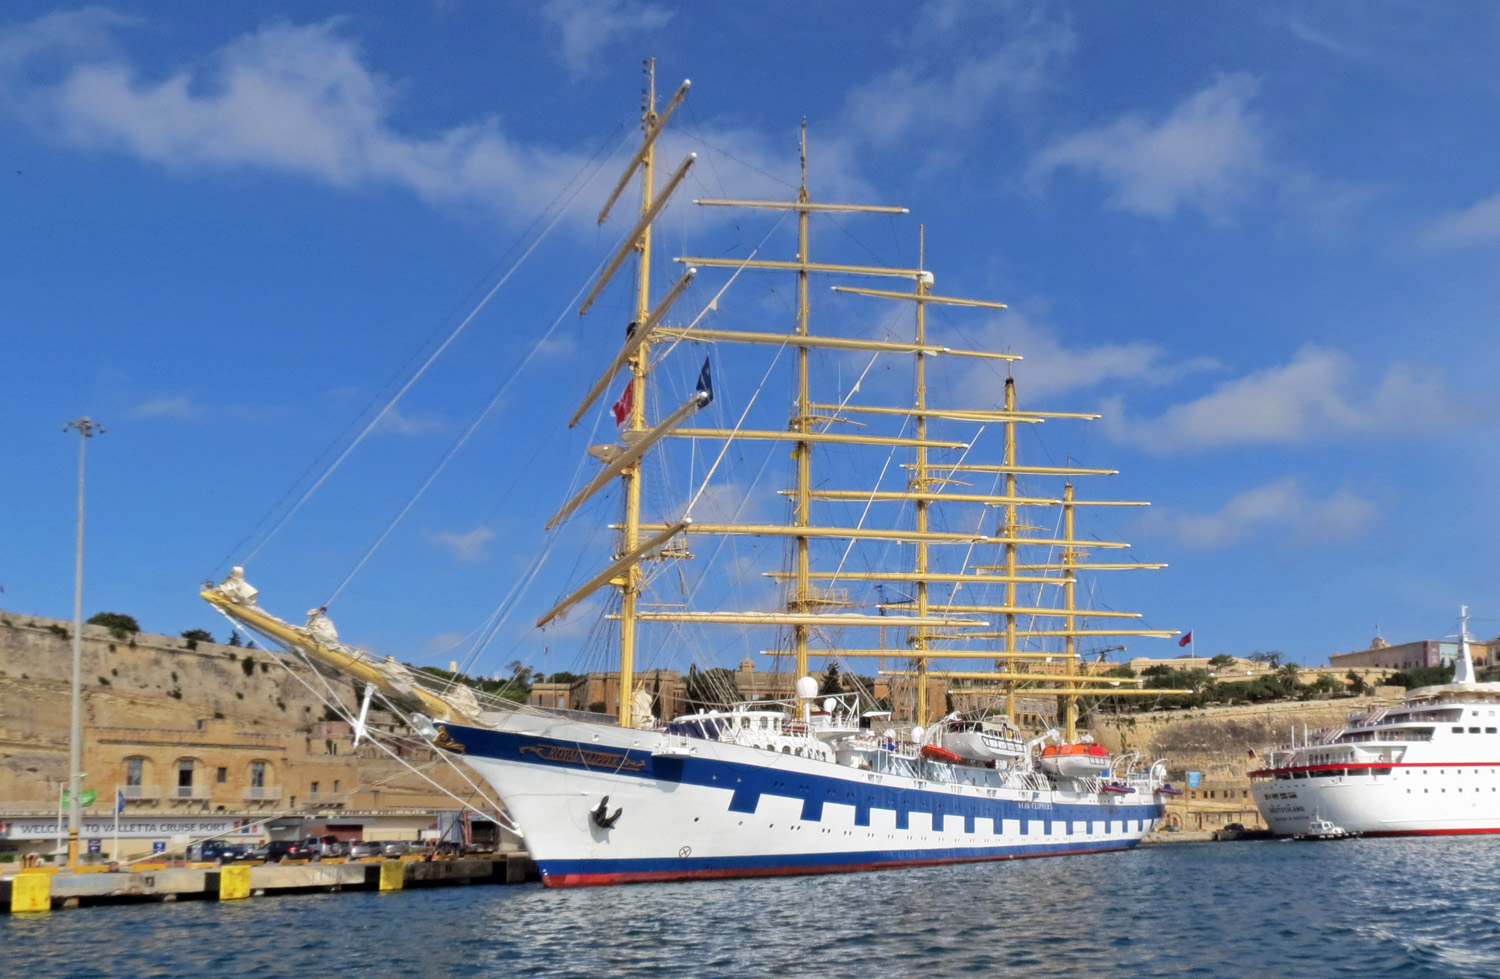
{"x": 1193, "y": 779}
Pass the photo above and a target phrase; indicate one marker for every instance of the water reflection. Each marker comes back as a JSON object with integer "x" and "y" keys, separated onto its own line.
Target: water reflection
{"x": 1367, "y": 907}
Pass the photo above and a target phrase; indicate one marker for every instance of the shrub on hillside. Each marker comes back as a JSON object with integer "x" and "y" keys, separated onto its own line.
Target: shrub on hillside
{"x": 118, "y": 624}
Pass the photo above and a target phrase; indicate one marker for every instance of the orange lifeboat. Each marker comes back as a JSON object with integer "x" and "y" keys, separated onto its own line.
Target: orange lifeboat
{"x": 934, "y": 753}
{"x": 1076, "y": 760}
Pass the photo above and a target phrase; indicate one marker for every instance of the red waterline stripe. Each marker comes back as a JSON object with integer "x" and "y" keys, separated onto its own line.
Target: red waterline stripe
{"x": 719, "y": 873}
{"x": 1435, "y": 832}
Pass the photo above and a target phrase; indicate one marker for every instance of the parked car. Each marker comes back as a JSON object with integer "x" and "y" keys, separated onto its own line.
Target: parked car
{"x": 221, "y": 850}
{"x": 325, "y": 846}
{"x": 277, "y": 851}
{"x": 396, "y": 848}
{"x": 366, "y": 848}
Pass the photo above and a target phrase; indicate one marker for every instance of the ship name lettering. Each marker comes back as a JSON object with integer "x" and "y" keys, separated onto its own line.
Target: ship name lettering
{"x": 583, "y": 756}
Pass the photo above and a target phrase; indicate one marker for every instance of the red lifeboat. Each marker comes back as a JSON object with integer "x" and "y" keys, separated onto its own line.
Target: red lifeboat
{"x": 934, "y": 753}
{"x": 1076, "y": 760}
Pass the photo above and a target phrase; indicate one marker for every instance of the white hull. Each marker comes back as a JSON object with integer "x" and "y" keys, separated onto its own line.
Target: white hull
{"x": 701, "y": 808}
{"x": 1428, "y": 767}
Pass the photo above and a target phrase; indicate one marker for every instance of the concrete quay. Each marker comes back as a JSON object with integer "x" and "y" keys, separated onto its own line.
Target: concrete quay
{"x": 41, "y": 890}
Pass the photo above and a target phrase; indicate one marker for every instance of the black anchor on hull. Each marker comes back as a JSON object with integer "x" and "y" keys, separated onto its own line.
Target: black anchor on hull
{"x": 601, "y": 816}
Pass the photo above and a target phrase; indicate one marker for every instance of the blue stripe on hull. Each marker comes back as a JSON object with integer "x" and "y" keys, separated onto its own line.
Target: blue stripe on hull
{"x": 747, "y": 783}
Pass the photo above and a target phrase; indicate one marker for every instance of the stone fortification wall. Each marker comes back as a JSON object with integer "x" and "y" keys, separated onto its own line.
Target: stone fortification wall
{"x": 225, "y": 707}
{"x": 1217, "y": 740}
{"x": 143, "y": 680}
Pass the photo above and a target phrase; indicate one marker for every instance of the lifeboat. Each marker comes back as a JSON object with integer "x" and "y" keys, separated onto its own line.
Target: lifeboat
{"x": 1167, "y": 790}
{"x": 1117, "y": 788}
{"x": 934, "y": 753}
{"x": 988, "y": 741}
{"x": 1076, "y": 760}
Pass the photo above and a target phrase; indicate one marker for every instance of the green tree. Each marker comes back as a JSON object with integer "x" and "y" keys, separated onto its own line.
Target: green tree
{"x": 1357, "y": 684}
{"x": 234, "y": 639}
{"x": 1422, "y": 676}
{"x": 709, "y": 689}
{"x": 1220, "y": 661}
{"x": 832, "y": 683}
{"x": 118, "y": 624}
{"x": 1271, "y": 659}
{"x": 195, "y": 636}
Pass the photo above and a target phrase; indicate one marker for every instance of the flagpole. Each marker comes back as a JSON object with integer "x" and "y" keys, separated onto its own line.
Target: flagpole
{"x": 114, "y": 852}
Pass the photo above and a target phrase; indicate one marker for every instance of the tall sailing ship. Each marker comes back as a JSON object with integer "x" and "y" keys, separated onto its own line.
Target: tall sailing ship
{"x": 927, "y": 491}
{"x": 1429, "y": 766}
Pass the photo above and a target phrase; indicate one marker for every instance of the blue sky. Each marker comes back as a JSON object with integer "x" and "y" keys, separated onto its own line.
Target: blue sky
{"x": 1260, "y": 238}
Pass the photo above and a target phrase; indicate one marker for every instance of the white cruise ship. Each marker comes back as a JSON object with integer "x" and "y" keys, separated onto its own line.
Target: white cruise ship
{"x": 1429, "y": 766}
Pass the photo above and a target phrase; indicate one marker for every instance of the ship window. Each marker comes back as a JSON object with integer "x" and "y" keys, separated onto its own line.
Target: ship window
{"x": 1473, "y": 730}
{"x": 1458, "y": 730}
{"x": 1489, "y": 730}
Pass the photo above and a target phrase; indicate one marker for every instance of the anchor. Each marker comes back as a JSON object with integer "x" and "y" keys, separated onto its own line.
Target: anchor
{"x": 601, "y": 816}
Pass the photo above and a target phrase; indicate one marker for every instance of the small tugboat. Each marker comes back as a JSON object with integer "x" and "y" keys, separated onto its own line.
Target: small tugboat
{"x": 1319, "y": 828}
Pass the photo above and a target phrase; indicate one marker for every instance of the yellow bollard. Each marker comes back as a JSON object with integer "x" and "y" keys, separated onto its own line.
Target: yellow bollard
{"x": 31, "y": 892}
{"x": 392, "y": 875}
{"x": 234, "y": 882}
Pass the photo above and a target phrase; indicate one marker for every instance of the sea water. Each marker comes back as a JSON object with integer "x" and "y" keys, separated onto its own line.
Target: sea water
{"x": 1401, "y": 907}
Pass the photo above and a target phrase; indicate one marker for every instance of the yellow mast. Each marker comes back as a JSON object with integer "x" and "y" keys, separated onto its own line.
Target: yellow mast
{"x": 630, "y": 580}
{"x": 1070, "y": 721}
{"x": 1009, "y": 531}
{"x": 801, "y": 600}
{"x": 920, "y": 484}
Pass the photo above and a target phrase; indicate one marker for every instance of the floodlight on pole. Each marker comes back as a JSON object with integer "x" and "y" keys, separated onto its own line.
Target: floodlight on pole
{"x": 86, "y": 429}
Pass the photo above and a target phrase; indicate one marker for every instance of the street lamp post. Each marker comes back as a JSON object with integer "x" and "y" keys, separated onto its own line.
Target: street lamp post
{"x": 86, "y": 430}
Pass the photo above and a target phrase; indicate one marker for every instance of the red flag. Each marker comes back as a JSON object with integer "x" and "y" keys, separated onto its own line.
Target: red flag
{"x": 622, "y": 407}
{"x": 1186, "y": 638}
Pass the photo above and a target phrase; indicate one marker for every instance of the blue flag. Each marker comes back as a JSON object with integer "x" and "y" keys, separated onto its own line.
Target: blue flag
{"x": 705, "y": 386}
{"x": 119, "y": 800}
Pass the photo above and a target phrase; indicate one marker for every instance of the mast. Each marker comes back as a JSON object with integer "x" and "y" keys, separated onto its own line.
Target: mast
{"x": 801, "y": 599}
{"x": 630, "y": 580}
{"x": 1009, "y": 530}
{"x": 919, "y": 481}
{"x": 1070, "y": 664}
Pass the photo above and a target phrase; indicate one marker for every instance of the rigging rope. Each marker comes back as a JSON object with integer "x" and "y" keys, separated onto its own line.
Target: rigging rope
{"x": 577, "y": 188}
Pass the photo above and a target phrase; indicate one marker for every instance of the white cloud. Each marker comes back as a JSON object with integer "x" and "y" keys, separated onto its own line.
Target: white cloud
{"x": 468, "y": 548}
{"x": 395, "y": 422}
{"x": 444, "y": 642}
{"x": 1307, "y": 399}
{"x": 1280, "y": 511}
{"x": 958, "y": 89}
{"x": 301, "y": 100}
{"x": 1204, "y": 155}
{"x": 294, "y": 99}
{"x": 587, "y": 26}
{"x": 1474, "y": 225}
{"x": 1050, "y": 368}
{"x": 178, "y": 407}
